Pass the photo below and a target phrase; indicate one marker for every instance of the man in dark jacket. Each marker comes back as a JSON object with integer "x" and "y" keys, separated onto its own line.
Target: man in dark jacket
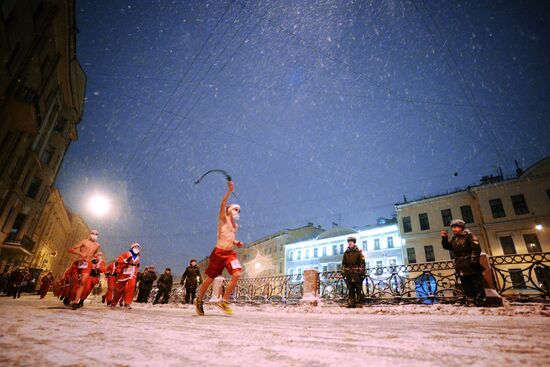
{"x": 353, "y": 268}
{"x": 190, "y": 280}
{"x": 146, "y": 280}
{"x": 19, "y": 280}
{"x": 466, "y": 248}
{"x": 164, "y": 284}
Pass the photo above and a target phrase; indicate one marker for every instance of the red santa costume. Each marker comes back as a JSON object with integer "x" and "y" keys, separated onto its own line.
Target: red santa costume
{"x": 110, "y": 274}
{"x": 98, "y": 267}
{"x": 127, "y": 265}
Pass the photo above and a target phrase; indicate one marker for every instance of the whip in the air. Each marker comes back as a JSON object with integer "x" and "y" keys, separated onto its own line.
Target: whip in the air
{"x": 223, "y": 172}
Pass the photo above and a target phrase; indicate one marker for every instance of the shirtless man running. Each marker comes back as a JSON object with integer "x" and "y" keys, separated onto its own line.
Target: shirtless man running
{"x": 223, "y": 255}
{"x": 85, "y": 250}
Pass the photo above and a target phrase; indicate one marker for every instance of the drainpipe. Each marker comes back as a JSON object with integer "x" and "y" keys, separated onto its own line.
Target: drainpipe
{"x": 482, "y": 223}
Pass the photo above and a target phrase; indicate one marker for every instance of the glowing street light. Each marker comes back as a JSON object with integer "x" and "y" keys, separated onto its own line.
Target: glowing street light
{"x": 99, "y": 205}
{"x": 539, "y": 227}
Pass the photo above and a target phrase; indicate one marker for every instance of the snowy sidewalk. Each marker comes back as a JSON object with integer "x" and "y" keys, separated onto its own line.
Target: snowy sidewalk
{"x": 44, "y": 333}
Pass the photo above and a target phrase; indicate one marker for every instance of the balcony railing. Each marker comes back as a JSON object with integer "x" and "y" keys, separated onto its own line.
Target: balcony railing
{"x": 24, "y": 242}
{"x": 517, "y": 277}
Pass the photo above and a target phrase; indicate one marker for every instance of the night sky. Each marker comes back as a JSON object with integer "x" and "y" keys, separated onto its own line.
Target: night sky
{"x": 321, "y": 111}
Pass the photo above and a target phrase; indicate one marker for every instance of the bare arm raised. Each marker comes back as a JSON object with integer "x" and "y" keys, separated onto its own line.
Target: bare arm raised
{"x": 223, "y": 215}
{"x": 227, "y": 225}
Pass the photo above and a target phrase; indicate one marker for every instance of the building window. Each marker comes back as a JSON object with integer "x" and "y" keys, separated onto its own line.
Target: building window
{"x": 15, "y": 51}
{"x": 411, "y": 255}
{"x": 325, "y": 268}
{"x": 280, "y": 267}
{"x": 496, "y": 208}
{"x": 429, "y": 251}
{"x": 60, "y": 125}
{"x": 393, "y": 265}
{"x": 467, "y": 215}
{"x": 37, "y": 14}
{"x": 334, "y": 250}
{"x": 532, "y": 243}
{"x": 275, "y": 248}
{"x": 47, "y": 155}
{"x": 379, "y": 265}
{"x": 281, "y": 247}
{"x": 407, "y": 227}
{"x": 390, "y": 242}
{"x": 324, "y": 251}
{"x": 508, "y": 247}
{"x": 424, "y": 222}
{"x": 341, "y": 248}
{"x": 299, "y": 256}
{"x": 446, "y": 216}
{"x": 315, "y": 252}
{"x": 307, "y": 254}
{"x": 520, "y": 206}
{"x": 338, "y": 267}
{"x": 516, "y": 275}
{"x": 291, "y": 256}
{"x": 365, "y": 246}
{"x": 377, "y": 244}
{"x": 367, "y": 264}
{"x": 16, "y": 228}
{"x": 34, "y": 187}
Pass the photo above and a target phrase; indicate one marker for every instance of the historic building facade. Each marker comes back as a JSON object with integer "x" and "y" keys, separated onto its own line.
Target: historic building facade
{"x": 266, "y": 256}
{"x": 380, "y": 243}
{"x": 509, "y": 216}
{"x": 58, "y": 228}
{"x": 41, "y": 102}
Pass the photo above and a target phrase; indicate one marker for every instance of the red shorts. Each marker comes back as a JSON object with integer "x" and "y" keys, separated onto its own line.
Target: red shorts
{"x": 220, "y": 259}
{"x": 83, "y": 266}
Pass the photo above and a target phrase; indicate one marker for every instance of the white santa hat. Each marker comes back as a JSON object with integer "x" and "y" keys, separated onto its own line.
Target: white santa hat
{"x": 231, "y": 206}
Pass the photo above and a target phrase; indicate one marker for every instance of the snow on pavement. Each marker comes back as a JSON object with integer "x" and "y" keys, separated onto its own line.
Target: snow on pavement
{"x": 44, "y": 333}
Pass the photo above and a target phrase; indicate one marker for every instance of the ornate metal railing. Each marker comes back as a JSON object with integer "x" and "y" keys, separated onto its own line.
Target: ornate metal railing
{"x": 522, "y": 276}
{"x": 415, "y": 283}
{"x": 518, "y": 277}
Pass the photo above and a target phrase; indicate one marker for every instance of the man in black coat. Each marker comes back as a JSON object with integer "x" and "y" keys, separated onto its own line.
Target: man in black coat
{"x": 164, "y": 284}
{"x": 146, "y": 279}
{"x": 190, "y": 280}
{"x": 353, "y": 268}
{"x": 466, "y": 248}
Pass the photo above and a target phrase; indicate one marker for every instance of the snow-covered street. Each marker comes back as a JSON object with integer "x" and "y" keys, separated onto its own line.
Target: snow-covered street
{"x": 44, "y": 333}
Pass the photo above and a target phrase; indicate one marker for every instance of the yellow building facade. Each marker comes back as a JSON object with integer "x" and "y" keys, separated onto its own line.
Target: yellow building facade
{"x": 41, "y": 102}
{"x": 509, "y": 216}
{"x": 57, "y": 229}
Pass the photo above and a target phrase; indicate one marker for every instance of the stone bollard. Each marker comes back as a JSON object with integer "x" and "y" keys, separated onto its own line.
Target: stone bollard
{"x": 491, "y": 294}
{"x": 311, "y": 285}
{"x": 217, "y": 289}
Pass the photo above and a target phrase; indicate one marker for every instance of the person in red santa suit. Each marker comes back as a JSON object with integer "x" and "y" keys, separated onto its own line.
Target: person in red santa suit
{"x": 45, "y": 284}
{"x": 127, "y": 265}
{"x": 70, "y": 283}
{"x": 110, "y": 274}
{"x": 98, "y": 267}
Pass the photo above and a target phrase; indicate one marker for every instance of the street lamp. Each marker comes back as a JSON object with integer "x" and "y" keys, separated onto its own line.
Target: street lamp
{"x": 99, "y": 205}
{"x": 538, "y": 227}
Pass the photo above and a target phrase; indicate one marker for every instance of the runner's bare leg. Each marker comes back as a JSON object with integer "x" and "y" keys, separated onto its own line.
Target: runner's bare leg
{"x": 231, "y": 286}
{"x": 83, "y": 280}
{"x": 204, "y": 288}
